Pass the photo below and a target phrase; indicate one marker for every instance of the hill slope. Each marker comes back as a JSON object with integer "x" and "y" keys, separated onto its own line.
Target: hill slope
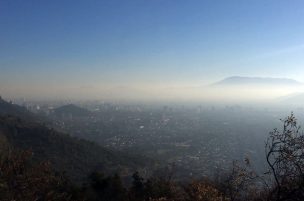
{"x": 71, "y": 109}
{"x": 75, "y": 157}
{"x": 22, "y": 129}
{"x": 7, "y": 108}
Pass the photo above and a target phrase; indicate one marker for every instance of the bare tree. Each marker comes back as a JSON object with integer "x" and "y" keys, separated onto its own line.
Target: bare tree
{"x": 285, "y": 157}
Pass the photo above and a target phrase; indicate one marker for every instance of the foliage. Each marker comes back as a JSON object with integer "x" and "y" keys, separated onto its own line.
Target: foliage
{"x": 106, "y": 188}
{"x": 27, "y": 175}
{"x": 203, "y": 191}
{"x": 22, "y": 180}
{"x": 78, "y": 158}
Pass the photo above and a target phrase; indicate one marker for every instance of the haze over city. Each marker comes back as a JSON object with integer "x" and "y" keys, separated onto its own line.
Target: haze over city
{"x": 161, "y": 49}
{"x": 151, "y": 100}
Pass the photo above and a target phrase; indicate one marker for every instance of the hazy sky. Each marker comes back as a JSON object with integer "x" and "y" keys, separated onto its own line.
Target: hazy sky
{"x": 80, "y": 45}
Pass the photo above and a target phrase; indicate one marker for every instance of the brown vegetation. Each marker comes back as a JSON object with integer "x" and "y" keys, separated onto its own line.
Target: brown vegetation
{"x": 21, "y": 179}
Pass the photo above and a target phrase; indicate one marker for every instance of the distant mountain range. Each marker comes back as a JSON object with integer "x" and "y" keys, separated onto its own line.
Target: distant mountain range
{"x": 296, "y": 98}
{"x": 239, "y": 81}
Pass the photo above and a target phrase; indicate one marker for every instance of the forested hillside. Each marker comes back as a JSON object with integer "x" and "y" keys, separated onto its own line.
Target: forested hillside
{"x": 75, "y": 157}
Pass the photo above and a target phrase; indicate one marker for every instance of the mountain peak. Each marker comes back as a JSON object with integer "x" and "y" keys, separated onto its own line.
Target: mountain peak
{"x": 239, "y": 80}
{"x": 71, "y": 109}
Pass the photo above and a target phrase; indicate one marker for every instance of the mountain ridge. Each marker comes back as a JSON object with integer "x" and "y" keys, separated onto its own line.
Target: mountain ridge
{"x": 71, "y": 109}
{"x": 244, "y": 80}
{"x": 76, "y": 157}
